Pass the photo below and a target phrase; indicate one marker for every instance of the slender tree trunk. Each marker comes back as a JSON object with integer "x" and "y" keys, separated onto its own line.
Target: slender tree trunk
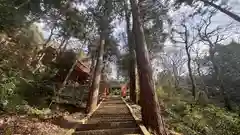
{"x": 70, "y": 72}
{"x": 151, "y": 112}
{"x": 189, "y": 60}
{"x": 94, "y": 89}
{"x": 49, "y": 38}
{"x": 175, "y": 74}
{"x": 132, "y": 61}
{"x": 200, "y": 74}
{"x": 227, "y": 12}
{"x": 57, "y": 94}
{"x": 42, "y": 53}
{"x": 62, "y": 45}
{"x": 68, "y": 75}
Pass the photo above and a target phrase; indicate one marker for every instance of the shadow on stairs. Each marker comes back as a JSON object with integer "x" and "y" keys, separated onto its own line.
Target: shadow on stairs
{"x": 111, "y": 118}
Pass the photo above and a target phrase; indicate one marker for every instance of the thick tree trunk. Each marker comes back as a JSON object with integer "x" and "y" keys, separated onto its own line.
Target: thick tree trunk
{"x": 229, "y": 13}
{"x": 93, "y": 65}
{"x": 137, "y": 83}
{"x": 104, "y": 24}
{"x": 132, "y": 61}
{"x": 132, "y": 77}
{"x": 151, "y": 113}
{"x": 94, "y": 89}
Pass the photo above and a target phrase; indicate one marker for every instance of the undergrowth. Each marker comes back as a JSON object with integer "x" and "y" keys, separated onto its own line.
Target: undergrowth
{"x": 190, "y": 117}
{"x": 29, "y": 94}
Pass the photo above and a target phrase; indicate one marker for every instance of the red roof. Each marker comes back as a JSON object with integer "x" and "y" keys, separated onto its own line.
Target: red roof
{"x": 82, "y": 68}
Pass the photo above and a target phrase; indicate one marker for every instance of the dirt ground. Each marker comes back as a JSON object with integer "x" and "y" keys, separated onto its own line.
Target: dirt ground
{"x": 13, "y": 124}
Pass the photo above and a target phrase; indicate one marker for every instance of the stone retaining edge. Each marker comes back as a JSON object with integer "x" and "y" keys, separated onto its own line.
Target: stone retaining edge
{"x": 84, "y": 120}
{"x": 141, "y": 126}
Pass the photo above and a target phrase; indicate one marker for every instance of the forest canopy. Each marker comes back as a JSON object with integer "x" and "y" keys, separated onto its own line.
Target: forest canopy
{"x": 180, "y": 60}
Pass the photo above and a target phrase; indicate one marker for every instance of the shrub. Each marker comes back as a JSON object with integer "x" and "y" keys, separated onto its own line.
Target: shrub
{"x": 189, "y": 118}
{"x": 16, "y": 91}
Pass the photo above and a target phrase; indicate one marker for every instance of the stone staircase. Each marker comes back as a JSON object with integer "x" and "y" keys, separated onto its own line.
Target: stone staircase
{"x": 111, "y": 118}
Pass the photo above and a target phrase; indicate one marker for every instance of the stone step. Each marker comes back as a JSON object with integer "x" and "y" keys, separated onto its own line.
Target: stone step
{"x": 112, "y": 118}
{"x": 101, "y": 120}
{"x": 112, "y": 115}
{"x": 106, "y": 125}
{"x": 119, "y": 131}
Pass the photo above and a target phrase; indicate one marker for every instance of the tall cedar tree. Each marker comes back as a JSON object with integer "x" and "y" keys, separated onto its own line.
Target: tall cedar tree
{"x": 132, "y": 62}
{"x": 151, "y": 111}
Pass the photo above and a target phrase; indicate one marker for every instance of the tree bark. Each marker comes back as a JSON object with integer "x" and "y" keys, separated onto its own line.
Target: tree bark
{"x": 151, "y": 113}
{"x": 227, "y": 12}
{"x": 93, "y": 65}
{"x": 175, "y": 74}
{"x": 63, "y": 45}
{"x": 137, "y": 81}
{"x": 104, "y": 24}
{"x": 132, "y": 61}
{"x": 189, "y": 60}
{"x": 199, "y": 72}
{"x": 94, "y": 89}
{"x": 133, "y": 83}
{"x": 65, "y": 81}
{"x": 132, "y": 75}
{"x": 68, "y": 75}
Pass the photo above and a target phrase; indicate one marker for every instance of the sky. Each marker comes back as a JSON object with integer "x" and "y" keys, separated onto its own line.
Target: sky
{"x": 219, "y": 19}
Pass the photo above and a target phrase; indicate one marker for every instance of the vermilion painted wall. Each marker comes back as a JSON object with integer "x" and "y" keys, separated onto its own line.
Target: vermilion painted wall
{"x": 124, "y": 90}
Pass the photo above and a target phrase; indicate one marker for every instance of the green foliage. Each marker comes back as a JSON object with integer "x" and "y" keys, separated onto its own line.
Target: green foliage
{"x": 37, "y": 112}
{"x": 17, "y": 91}
{"x": 9, "y": 98}
{"x": 155, "y": 19}
{"x": 9, "y": 15}
{"x": 227, "y": 60}
{"x": 115, "y": 92}
{"x": 123, "y": 64}
{"x": 15, "y": 14}
{"x": 18, "y": 85}
{"x": 185, "y": 116}
{"x": 30, "y": 89}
